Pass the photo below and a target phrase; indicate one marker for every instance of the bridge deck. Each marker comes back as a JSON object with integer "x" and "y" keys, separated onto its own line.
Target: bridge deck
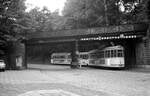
{"x": 79, "y": 33}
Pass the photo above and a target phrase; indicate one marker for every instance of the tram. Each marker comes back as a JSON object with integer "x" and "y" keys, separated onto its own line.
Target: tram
{"x": 65, "y": 58}
{"x": 83, "y": 58}
{"x": 61, "y": 58}
{"x": 108, "y": 57}
{"x": 112, "y": 56}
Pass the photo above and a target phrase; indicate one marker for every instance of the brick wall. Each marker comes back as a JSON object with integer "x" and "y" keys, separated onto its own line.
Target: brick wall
{"x": 147, "y": 49}
{"x": 143, "y": 52}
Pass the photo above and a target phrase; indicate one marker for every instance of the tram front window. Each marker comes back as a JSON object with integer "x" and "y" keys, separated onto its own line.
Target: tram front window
{"x": 120, "y": 53}
{"x": 84, "y": 56}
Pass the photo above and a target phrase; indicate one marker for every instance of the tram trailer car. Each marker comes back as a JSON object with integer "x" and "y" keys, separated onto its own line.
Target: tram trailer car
{"x": 65, "y": 58}
{"x": 61, "y": 58}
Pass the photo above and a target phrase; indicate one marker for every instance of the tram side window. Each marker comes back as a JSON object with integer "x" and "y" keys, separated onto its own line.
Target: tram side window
{"x": 93, "y": 55}
{"x": 62, "y": 56}
{"x": 113, "y": 53}
{"x": 84, "y": 56}
{"x": 69, "y": 56}
{"x": 120, "y": 53}
{"x": 53, "y": 57}
{"x": 101, "y": 54}
{"x": 58, "y": 57}
{"x": 107, "y": 53}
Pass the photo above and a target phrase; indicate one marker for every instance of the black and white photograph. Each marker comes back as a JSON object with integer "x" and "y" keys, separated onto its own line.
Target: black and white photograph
{"x": 74, "y": 47}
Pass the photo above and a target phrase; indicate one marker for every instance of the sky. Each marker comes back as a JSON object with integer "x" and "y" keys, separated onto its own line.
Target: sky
{"x": 51, "y": 4}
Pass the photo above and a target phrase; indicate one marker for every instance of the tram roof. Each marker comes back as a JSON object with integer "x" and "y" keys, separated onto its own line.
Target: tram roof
{"x": 114, "y": 47}
{"x": 108, "y": 48}
{"x": 64, "y": 53}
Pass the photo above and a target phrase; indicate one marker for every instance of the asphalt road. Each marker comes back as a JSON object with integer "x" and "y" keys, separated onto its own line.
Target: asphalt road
{"x": 63, "y": 81}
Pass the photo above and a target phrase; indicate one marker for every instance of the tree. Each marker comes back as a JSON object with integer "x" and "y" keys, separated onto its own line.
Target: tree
{"x": 84, "y": 13}
{"x": 44, "y": 21}
{"x": 12, "y": 13}
{"x": 132, "y": 11}
{"x": 89, "y": 13}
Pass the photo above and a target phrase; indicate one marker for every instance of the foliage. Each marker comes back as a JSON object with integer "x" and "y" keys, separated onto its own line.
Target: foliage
{"x": 143, "y": 11}
{"x": 89, "y": 13}
{"x": 134, "y": 11}
{"x": 12, "y": 13}
{"x": 84, "y": 13}
{"x": 44, "y": 20}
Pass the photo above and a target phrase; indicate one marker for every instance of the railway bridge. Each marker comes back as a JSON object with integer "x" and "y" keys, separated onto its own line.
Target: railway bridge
{"x": 133, "y": 37}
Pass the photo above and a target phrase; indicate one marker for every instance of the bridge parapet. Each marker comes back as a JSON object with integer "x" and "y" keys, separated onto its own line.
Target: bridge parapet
{"x": 132, "y": 28}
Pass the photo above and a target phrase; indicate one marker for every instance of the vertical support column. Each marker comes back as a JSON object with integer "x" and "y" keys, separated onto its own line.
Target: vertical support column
{"x": 16, "y": 55}
{"x": 147, "y": 49}
{"x": 75, "y": 63}
{"x": 25, "y": 61}
{"x": 140, "y": 53}
{"x": 77, "y": 47}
